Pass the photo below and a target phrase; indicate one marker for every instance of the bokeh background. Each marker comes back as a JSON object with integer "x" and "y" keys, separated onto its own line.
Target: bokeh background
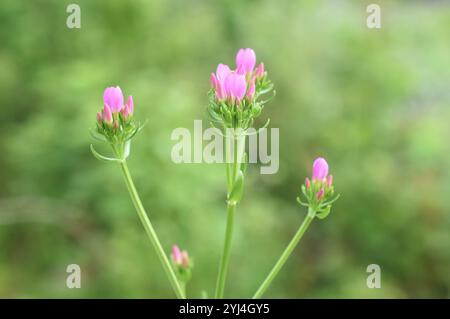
{"x": 375, "y": 103}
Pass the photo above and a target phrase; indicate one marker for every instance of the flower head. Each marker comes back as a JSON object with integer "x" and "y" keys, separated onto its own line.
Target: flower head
{"x": 182, "y": 263}
{"x": 234, "y": 98}
{"x": 116, "y": 122}
{"x": 319, "y": 191}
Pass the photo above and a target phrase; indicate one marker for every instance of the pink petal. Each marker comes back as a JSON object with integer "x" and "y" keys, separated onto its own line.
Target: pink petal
{"x": 222, "y": 72}
{"x": 247, "y": 59}
{"x": 114, "y": 98}
{"x": 320, "y": 169}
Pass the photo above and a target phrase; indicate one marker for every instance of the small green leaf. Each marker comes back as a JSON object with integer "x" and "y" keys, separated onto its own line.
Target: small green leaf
{"x": 302, "y": 203}
{"x": 104, "y": 158}
{"x": 126, "y": 150}
{"x": 324, "y": 213}
{"x": 331, "y": 201}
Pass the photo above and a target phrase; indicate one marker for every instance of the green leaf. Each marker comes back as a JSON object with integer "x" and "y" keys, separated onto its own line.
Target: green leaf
{"x": 126, "y": 150}
{"x": 104, "y": 158}
{"x": 324, "y": 213}
{"x": 238, "y": 189}
{"x": 331, "y": 201}
{"x": 302, "y": 203}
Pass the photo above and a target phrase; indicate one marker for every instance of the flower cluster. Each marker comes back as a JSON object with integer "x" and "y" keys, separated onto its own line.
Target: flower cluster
{"x": 182, "y": 264}
{"x": 319, "y": 191}
{"x": 115, "y": 121}
{"x": 234, "y": 94}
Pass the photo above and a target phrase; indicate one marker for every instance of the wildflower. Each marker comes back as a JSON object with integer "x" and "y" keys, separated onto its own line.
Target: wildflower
{"x": 182, "y": 264}
{"x": 234, "y": 96}
{"x": 115, "y": 124}
{"x": 319, "y": 191}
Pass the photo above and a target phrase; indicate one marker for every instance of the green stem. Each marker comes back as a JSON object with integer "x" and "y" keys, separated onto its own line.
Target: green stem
{"x": 151, "y": 232}
{"x": 231, "y": 209}
{"x": 220, "y": 288}
{"x": 285, "y": 255}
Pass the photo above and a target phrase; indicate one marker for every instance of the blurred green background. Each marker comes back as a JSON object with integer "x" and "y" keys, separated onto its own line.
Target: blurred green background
{"x": 375, "y": 103}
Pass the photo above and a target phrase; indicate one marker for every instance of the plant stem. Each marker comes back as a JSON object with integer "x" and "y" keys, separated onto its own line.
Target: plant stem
{"x": 285, "y": 255}
{"x": 151, "y": 232}
{"x": 231, "y": 209}
{"x": 226, "y": 252}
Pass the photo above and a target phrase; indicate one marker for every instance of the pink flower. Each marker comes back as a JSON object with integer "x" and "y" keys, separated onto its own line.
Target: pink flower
{"x": 99, "y": 118}
{"x": 320, "y": 169}
{"x": 107, "y": 114}
{"x": 176, "y": 255}
{"x": 113, "y": 97}
{"x": 235, "y": 86}
{"x": 245, "y": 60}
{"x": 320, "y": 194}
{"x": 218, "y": 80}
{"x": 259, "y": 71}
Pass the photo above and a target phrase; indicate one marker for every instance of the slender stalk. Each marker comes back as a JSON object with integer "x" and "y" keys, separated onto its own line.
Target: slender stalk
{"x": 220, "y": 288}
{"x": 232, "y": 174}
{"x": 151, "y": 232}
{"x": 285, "y": 255}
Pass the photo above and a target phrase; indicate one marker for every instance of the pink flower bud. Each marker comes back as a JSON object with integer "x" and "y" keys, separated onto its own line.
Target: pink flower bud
{"x": 307, "y": 183}
{"x": 125, "y": 112}
{"x": 246, "y": 60}
{"x": 107, "y": 114}
{"x": 251, "y": 89}
{"x": 185, "y": 259}
{"x": 130, "y": 105}
{"x": 99, "y": 118}
{"x": 176, "y": 255}
{"x": 320, "y": 169}
{"x": 222, "y": 72}
{"x": 235, "y": 86}
{"x": 214, "y": 81}
{"x": 330, "y": 180}
{"x": 218, "y": 80}
{"x": 259, "y": 71}
{"x": 113, "y": 97}
{"x": 320, "y": 194}
{"x": 128, "y": 108}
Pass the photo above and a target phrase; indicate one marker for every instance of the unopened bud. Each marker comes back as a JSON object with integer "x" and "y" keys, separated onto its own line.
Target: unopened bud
{"x": 320, "y": 194}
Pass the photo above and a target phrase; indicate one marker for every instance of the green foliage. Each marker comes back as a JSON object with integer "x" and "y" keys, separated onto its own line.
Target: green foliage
{"x": 375, "y": 103}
